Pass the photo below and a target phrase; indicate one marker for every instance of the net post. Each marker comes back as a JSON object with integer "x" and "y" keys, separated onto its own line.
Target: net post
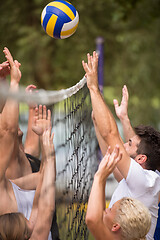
{"x": 100, "y": 51}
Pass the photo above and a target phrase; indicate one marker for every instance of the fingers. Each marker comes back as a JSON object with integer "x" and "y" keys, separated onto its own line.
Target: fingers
{"x": 115, "y": 102}
{"x": 89, "y": 60}
{"x": 8, "y": 56}
{"x": 95, "y": 60}
{"x": 112, "y": 158}
{"x": 4, "y": 64}
{"x": 92, "y": 62}
{"x": 40, "y": 115}
{"x": 30, "y": 88}
{"x": 85, "y": 66}
{"x": 52, "y": 136}
{"x": 125, "y": 93}
{"x": 36, "y": 113}
{"x": 116, "y": 156}
{"x": 49, "y": 117}
{"x": 44, "y": 112}
{"x": 48, "y": 138}
{"x": 17, "y": 63}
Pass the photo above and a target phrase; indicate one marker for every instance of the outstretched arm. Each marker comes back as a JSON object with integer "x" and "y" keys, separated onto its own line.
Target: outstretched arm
{"x": 46, "y": 202}
{"x": 32, "y": 141}
{"x": 94, "y": 216}
{"x": 9, "y": 117}
{"x": 122, "y": 114}
{"x": 42, "y": 121}
{"x": 105, "y": 121}
{"x": 103, "y": 146}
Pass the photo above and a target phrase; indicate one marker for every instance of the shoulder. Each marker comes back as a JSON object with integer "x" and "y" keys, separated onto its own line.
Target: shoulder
{"x": 142, "y": 178}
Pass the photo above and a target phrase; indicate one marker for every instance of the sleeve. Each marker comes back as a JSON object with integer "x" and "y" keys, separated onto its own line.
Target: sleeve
{"x": 139, "y": 180}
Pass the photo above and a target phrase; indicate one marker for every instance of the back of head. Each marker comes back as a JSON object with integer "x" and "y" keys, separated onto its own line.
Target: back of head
{"x": 13, "y": 227}
{"x": 149, "y": 145}
{"x": 134, "y": 219}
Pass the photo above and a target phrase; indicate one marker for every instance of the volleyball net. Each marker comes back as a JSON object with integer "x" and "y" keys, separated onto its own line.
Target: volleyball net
{"x": 76, "y": 152}
{"x": 76, "y": 159}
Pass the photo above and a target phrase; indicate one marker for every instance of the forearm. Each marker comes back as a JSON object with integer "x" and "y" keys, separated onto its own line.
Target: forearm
{"x": 28, "y": 182}
{"x": 96, "y": 203}
{"x": 34, "y": 212}
{"x": 47, "y": 195}
{"x": 32, "y": 145}
{"x": 102, "y": 144}
{"x": 10, "y": 113}
{"x": 127, "y": 128}
{"x": 104, "y": 119}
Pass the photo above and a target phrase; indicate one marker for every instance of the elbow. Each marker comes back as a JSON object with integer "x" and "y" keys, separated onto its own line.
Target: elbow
{"x": 91, "y": 222}
{"x": 107, "y": 135}
{"x": 6, "y": 131}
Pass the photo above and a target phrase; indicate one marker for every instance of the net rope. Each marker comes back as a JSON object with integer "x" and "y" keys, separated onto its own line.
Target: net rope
{"x": 76, "y": 153}
{"x": 42, "y": 96}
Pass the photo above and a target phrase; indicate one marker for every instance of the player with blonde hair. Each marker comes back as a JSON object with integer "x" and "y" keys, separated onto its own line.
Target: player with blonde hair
{"x": 140, "y": 155}
{"x": 127, "y": 219}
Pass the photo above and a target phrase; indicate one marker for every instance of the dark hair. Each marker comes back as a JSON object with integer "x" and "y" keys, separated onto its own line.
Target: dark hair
{"x": 149, "y": 145}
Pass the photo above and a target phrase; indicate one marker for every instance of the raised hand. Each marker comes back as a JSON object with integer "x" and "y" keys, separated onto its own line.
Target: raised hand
{"x": 30, "y": 88}
{"x": 48, "y": 145}
{"x": 14, "y": 66}
{"x": 91, "y": 70}
{"x": 4, "y": 70}
{"x": 122, "y": 110}
{"x": 108, "y": 163}
{"x": 42, "y": 120}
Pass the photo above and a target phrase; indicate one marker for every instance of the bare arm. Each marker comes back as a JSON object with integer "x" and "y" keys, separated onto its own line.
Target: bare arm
{"x": 42, "y": 121}
{"x": 105, "y": 121}
{"x": 46, "y": 204}
{"x": 122, "y": 114}
{"x": 9, "y": 117}
{"x": 28, "y": 182}
{"x": 103, "y": 146}
{"x": 94, "y": 215}
{"x": 32, "y": 141}
{"x": 4, "y": 71}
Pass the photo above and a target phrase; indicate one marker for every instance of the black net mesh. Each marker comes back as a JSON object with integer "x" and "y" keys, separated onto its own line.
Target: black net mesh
{"x": 76, "y": 159}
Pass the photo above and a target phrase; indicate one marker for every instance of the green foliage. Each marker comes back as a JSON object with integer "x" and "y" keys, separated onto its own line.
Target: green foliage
{"x": 131, "y": 49}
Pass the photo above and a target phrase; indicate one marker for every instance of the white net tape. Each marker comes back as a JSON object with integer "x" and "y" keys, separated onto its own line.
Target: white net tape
{"x": 42, "y": 96}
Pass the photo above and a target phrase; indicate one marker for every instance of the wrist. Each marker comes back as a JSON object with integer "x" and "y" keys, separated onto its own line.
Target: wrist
{"x": 124, "y": 118}
{"x": 94, "y": 89}
{"x": 100, "y": 179}
{"x": 14, "y": 85}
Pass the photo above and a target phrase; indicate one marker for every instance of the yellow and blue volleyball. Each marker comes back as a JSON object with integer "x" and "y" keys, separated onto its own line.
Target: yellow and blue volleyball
{"x": 59, "y": 19}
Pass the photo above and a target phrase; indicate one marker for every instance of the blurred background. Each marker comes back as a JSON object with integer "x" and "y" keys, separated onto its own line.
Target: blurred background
{"x": 131, "y": 33}
{"x": 131, "y": 43}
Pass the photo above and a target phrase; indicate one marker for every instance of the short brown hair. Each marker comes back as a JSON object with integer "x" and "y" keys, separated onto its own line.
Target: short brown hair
{"x": 13, "y": 227}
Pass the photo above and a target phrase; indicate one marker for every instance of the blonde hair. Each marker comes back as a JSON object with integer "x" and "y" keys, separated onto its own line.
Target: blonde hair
{"x": 134, "y": 219}
{"x": 13, "y": 227}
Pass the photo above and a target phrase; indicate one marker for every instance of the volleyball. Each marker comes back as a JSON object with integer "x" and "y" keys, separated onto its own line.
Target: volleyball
{"x": 59, "y": 19}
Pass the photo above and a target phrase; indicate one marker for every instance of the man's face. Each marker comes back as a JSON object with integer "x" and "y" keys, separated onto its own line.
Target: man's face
{"x": 109, "y": 215}
{"x": 132, "y": 145}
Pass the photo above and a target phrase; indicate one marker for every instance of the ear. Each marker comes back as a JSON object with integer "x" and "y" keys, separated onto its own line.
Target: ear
{"x": 115, "y": 227}
{"x": 141, "y": 158}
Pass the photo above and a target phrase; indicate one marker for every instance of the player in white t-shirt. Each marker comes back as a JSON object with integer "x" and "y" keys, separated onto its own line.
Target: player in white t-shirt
{"x": 138, "y": 177}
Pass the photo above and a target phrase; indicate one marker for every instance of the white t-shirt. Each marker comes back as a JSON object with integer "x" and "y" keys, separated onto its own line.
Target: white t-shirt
{"x": 24, "y": 200}
{"x": 143, "y": 185}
